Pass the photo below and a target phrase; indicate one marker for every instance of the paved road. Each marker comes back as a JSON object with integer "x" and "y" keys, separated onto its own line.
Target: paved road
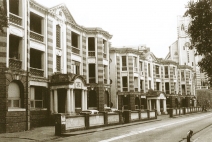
{"x": 166, "y": 130}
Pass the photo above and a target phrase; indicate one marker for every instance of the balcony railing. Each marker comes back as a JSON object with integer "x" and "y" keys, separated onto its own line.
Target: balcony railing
{"x": 166, "y": 76}
{"x": 142, "y": 91}
{"x": 124, "y": 68}
{"x": 182, "y": 79}
{"x": 202, "y": 87}
{"x": 104, "y": 55}
{"x": 75, "y": 50}
{"x": 136, "y": 89}
{"x": 36, "y": 36}
{"x": 141, "y": 73}
{"x": 14, "y": 63}
{"x": 36, "y": 72}
{"x": 15, "y": 19}
{"x": 105, "y": 81}
{"x": 135, "y": 69}
{"x": 167, "y": 92}
{"x": 125, "y": 88}
{"x": 157, "y": 75}
{"x": 92, "y": 80}
{"x": 174, "y": 76}
{"x": 91, "y": 53}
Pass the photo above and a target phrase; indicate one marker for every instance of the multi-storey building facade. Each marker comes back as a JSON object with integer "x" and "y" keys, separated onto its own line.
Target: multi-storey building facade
{"x": 50, "y": 64}
{"x": 142, "y": 81}
{"x": 179, "y": 52}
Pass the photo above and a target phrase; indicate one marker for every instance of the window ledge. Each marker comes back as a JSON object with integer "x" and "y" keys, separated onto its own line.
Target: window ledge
{"x": 16, "y": 109}
{"x": 38, "y": 108}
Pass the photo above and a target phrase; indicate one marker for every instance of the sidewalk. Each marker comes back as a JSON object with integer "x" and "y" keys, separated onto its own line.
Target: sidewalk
{"x": 48, "y": 133}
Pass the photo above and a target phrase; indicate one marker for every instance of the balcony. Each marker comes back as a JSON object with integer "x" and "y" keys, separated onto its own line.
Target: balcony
{"x": 92, "y": 80}
{"x": 75, "y": 50}
{"x": 142, "y": 91}
{"x": 167, "y": 92}
{"x": 14, "y": 63}
{"x": 182, "y": 79}
{"x": 135, "y": 69}
{"x": 136, "y": 89}
{"x": 124, "y": 68}
{"x": 105, "y": 81}
{"x": 125, "y": 88}
{"x": 141, "y": 73}
{"x": 91, "y": 53}
{"x": 15, "y": 19}
{"x": 36, "y": 36}
{"x": 157, "y": 75}
{"x": 166, "y": 76}
{"x": 104, "y": 55}
{"x": 36, "y": 72}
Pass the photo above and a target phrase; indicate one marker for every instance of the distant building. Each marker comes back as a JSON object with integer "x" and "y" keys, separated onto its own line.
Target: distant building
{"x": 143, "y": 81}
{"x": 179, "y": 52}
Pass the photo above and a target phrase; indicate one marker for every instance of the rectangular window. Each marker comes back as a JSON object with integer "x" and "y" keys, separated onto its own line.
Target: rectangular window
{"x": 141, "y": 66}
{"x": 58, "y": 63}
{"x": 75, "y": 67}
{"x": 124, "y": 83}
{"x": 149, "y": 70}
{"x": 167, "y": 88}
{"x": 124, "y": 63}
{"x": 136, "y": 83}
{"x": 141, "y": 86}
{"x": 92, "y": 73}
{"x": 37, "y": 97}
{"x": 157, "y": 70}
{"x": 182, "y": 75}
{"x": 150, "y": 84}
{"x": 158, "y": 86}
{"x": 58, "y": 36}
{"x": 166, "y": 72}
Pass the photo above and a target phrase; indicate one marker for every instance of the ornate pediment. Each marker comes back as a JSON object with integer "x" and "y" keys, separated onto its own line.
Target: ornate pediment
{"x": 62, "y": 13}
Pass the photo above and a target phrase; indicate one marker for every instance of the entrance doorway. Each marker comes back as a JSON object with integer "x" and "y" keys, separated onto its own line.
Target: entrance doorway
{"x": 61, "y": 100}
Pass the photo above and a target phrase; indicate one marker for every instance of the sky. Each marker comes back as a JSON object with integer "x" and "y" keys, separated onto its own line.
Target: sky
{"x": 131, "y": 22}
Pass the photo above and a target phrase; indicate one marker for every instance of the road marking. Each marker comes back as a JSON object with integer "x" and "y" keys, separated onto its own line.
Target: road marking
{"x": 150, "y": 129}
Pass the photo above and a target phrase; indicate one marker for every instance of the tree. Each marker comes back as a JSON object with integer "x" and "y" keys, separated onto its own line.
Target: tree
{"x": 200, "y": 32}
{"x": 3, "y": 15}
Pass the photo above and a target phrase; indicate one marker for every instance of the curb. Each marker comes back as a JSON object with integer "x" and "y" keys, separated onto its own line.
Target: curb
{"x": 106, "y": 128}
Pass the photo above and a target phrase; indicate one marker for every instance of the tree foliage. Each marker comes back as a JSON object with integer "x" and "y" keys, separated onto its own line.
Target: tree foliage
{"x": 200, "y": 32}
{"x": 3, "y": 15}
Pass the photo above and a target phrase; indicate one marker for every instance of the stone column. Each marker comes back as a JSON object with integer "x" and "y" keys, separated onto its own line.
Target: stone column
{"x": 86, "y": 100}
{"x": 83, "y": 100}
{"x": 150, "y": 105}
{"x": 68, "y": 101}
{"x": 158, "y": 106}
{"x": 55, "y": 101}
{"x": 72, "y": 101}
{"x": 51, "y": 102}
{"x": 164, "y": 106}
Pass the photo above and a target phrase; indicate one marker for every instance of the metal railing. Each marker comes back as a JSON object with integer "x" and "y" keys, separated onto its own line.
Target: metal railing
{"x": 14, "y": 63}
{"x": 92, "y": 80}
{"x": 105, "y": 81}
{"x": 157, "y": 75}
{"x": 124, "y": 68}
{"x": 36, "y": 72}
{"x": 135, "y": 69}
{"x": 91, "y": 53}
{"x": 75, "y": 50}
{"x": 166, "y": 75}
{"x": 125, "y": 88}
{"x": 104, "y": 55}
{"x": 15, "y": 19}
{"x": 136, "y": 89}
{"x": 36, "y": 36}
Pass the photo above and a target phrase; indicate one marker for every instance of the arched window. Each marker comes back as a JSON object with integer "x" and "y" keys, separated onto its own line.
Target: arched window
{"x": 92, "y": 99}
{"x": 182, "y": 27}
{"x": 14, "y": 95}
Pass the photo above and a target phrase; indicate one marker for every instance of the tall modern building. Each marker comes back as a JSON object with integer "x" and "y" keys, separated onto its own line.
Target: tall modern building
{"x": 179, "y": 52}
{"x": 50, "y": 64}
